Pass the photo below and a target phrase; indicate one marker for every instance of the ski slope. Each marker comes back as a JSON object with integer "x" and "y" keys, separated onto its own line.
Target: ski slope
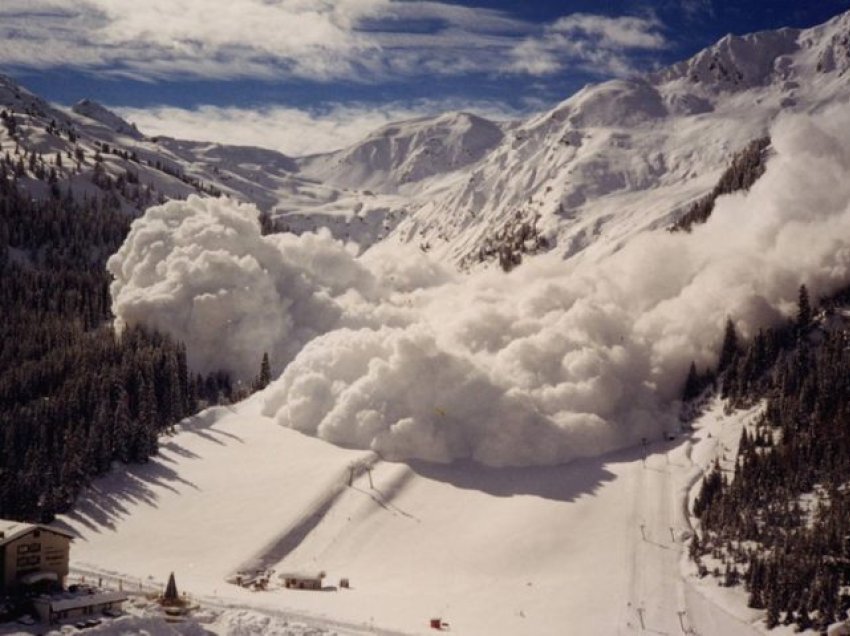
{"x": 591, "y": 547}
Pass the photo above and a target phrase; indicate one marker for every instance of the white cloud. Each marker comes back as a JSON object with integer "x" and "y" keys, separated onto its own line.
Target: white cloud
{"x": 594, "y": 43}
{"x": 612, "y": 33}
{"x": 362, "y": 40}
{"x": 698, "y": 9}
{"x": 293, "y": 131}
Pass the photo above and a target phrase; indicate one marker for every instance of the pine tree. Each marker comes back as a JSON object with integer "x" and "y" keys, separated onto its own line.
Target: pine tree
{"x": 73, "y": 397}
{"x": 121, "y": 426}
{"x": 804, "y": 309}
{"x": 729, "y": 349}
{"x": 693, "y": 384}
{"x": 265, "y": 373}
{"x": 170, "y": 595}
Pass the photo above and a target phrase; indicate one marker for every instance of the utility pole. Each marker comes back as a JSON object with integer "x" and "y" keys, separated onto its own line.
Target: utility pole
{"x": 643, "y": 531}
{"x": 640, "y": 612}
{"x": 681, "y": 614}
{"x": 672, "y": 536}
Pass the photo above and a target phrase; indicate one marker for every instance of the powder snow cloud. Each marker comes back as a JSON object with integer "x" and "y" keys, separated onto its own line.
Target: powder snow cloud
{"x": 201, "y": 271}
{"x": 548, "y": 363}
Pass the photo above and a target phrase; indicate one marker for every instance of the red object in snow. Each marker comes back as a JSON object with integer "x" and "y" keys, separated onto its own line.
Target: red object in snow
{"x": 436, "y": 623}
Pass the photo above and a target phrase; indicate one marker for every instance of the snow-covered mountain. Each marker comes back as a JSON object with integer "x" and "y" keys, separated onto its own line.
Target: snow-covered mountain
{"x": 99, "y": 113}
{"x": 409, "y": 152}
{"x": 102, "y": 154}
{"x": 587, "y": 165}
{"x": 457, "y": 183}
{"x": 508, "y": 376}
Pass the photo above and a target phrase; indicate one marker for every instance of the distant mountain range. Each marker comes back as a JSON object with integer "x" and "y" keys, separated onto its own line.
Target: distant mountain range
{"x": 574, "y": 178}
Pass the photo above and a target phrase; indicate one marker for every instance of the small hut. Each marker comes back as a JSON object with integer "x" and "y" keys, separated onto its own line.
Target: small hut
{"x": 302, "y": 580}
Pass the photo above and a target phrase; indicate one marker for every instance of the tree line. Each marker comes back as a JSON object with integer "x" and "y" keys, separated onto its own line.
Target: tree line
{"x": 780, "y": 523}
{"x": 747, "y": 166}
{"x": 74, "y": 397}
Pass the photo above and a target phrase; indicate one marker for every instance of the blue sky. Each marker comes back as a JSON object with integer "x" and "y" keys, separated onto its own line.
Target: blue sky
{"x": 322, "y": 72}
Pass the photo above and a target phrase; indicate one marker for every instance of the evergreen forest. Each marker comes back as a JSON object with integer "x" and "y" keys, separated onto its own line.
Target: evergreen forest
{"x": 74, "y": 397}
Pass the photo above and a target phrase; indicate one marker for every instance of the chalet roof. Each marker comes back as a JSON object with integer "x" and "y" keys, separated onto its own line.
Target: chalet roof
{"x": 302, "y": 575}
{"x": 11, "y": 530}
{"x": 35, "y": 577}
{"x": 69, "y": 601}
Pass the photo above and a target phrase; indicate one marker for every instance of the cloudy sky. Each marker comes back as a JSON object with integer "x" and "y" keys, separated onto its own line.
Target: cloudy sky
{"x": 309, "y": 75}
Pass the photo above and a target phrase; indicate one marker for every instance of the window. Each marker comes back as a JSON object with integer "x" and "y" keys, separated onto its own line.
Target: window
{"x": 28, "y": 560}
{"x": 28, "y": 548}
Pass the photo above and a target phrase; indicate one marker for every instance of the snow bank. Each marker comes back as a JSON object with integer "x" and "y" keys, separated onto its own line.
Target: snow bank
{"x": 548, "y": 363}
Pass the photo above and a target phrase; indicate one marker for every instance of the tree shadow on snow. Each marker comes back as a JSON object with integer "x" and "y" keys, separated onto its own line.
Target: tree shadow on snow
{"x": 113, "y": 496}
{"x": 203, "y": 424}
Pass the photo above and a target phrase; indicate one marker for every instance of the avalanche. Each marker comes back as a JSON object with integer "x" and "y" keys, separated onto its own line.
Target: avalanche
{"x": 548, "y": 363}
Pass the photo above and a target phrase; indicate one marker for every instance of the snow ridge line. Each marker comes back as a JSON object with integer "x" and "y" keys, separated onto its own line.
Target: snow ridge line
{"x": 285, "y": 543}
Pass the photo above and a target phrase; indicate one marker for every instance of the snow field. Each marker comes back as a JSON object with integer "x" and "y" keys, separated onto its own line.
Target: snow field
{"x": 580, "y": 548}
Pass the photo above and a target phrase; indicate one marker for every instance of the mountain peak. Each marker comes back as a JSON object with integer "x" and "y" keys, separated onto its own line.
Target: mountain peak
{"x": 98, "y": 112}
{"x": 734, "y": 62}
{"x": 409, "y": 152}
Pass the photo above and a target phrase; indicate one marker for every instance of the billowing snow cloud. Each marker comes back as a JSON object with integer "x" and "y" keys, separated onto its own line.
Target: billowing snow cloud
{"x": 201, "y": 271}
{"x": 550, "y": 362}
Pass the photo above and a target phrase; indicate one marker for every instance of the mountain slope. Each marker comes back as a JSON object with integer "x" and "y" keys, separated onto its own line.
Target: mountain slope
{"x": 408, "y": 152}
{"x": 586, "y": 166}
{"x": 585, "y": 547}
{"x": 100, "y": 153}
{"x": 99, "y": 113}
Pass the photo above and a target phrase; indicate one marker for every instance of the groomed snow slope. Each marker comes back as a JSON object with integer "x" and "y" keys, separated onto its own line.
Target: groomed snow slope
{"x": 584, "y": 548}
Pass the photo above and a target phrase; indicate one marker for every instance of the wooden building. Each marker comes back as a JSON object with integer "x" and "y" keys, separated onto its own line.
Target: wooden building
{"x": 69, "y": 606}
{"x": 303, "y": 580}
{"x": 32, "y": 554}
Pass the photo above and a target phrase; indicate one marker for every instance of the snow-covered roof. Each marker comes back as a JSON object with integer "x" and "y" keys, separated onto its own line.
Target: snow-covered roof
{"x": 68, "y": 601}
{"x": 303, "y": 575}
{"x": 11, "y": 530}
{"x": 35, "y": 577}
